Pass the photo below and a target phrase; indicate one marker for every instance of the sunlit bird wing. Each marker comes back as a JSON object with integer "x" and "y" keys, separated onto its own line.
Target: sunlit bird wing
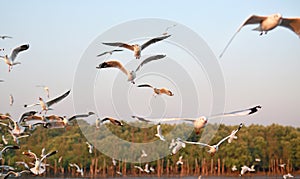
{"x": 154, "y": 40}
{"x": 291, "y": 23}
{"x": 58, "y": 99}
{"x": 119, "y": 44}
{"x": 149, "y": 59}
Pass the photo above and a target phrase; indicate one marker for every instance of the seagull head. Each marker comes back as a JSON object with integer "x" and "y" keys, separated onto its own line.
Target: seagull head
{"x": 41, "y": 99}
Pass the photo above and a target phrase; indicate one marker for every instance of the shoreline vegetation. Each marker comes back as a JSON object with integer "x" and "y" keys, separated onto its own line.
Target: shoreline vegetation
{"x": 265, "y": 147}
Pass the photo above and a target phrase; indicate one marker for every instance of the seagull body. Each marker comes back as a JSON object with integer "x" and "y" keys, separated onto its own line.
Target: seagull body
{"x": 179, "y": 162}
{"x": 282, "y": 165}
{"x": 46, "y": 89}
{"x": 158, "y": 91}
{"x": 136, "y": 48}
{"x": 140, "y": 168}
{"x": 9, "y": 147}
{"x": 113, "y": 121}
{"x": 90, "y": 146}
{"x": 6, "y": 167}
{"x": 146, "y": 169}
{"x": 116, "y": 64}
{"x": 78, "y": 169}
{"x": 245, "y": 169}
{"x": 287, "y": 176}
{"x": 109, "y": 52}
{"x": 5, "y": 37}
{"x": 46, "y": 105}
{"x": 214, "y": 148}
{"x": 159, "y": 133}
{"x": 10, "y": 60}
{"x": 233, "y": 168}
{"x": 267, "y": 23}
{"x": 233, "y": 136}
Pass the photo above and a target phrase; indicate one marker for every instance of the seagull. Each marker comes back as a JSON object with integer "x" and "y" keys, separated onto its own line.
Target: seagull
{"x": 46, "y": 105}
{"x": 213, "y": 148}
{"x": 113, "y": 121}
{"x": 90, "y": 146}
{"x": 144, "y": 154}
{"x": 116, "y": 64}
{"x": 168, "y": 28}
{"x": 46, "y": 88}
{"x": 16, "y": 174}
{"x": 39, "y": 167}
{"x": 267, "y": 23}
{"x": 152, "y": 169}
{"x": 179, "y": 162}
{"x": 175, "y": 146}
{"x": 109, "y": 52}
{"x": 158, "y": 91}
{"x": 245, "y": 169}
{"x": 232, "y": 135}
{"x": 5, "y": 37}
{"x": 10, "y": 60}
{"x": 11, "y": 100}
{"x": 282, "y": 165}
{"x": 159, "y": 133}
{"x": 136, "y": 48}
{"x": 257, "y": 159}
{"x": 202, "y": 121}
{"x": 24, "y": 164}
{"x": 233, "y": 168}
{"x": 147, "y": 168}
{"x": 8, "y": 148}
{"x": 287, "y": 176}
{"x": 140, "y": 168}
{"x": 78, "y": 169}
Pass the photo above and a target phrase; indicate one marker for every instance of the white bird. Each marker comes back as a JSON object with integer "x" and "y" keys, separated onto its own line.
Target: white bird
{"x": 175, "y": 146}
{"x": 179, "y": 162}
{"x": 6, "y": 148}
{"x": 158, "y": 91}
{"x": 245, "y": 169}
{"x": 152, "y": 169}
{"x": 4, "y": 140}
{"x": 109, "y": 52}
{"x": 39, "y": 167}
{"x": 7, "y": 167}
{"x": 136, "y": 48}
{"x": 5, "y": 37}
{"x": 78, "y": 169}
{"x": 213, "y": 148}
{"x": 144, "y": 154}
{"x": 90, "y": 146}
{"x": 46, "y": 105}
{"x": 257, "y": 159}
{"x": 15, "y": 174}
{"x": 233, "y": 168}
{"x": 11, "y": 100}
{"x": 159, "y": 133}
{"x": 267, "y": 23}
{"x": 10, "y": 60}
{"x": 287, "y": 176}
{"x": 146, "y": 169}
{"x": 202, "y": 121}
{"x": 112, "y": 120}
{"x": 140, "y": 168}
{"x": 46, "y": 89}
{"x": 282, "y": 165}
{"x": 114, "y": 162}
{"x": 233, "y": 134}
{"x": 116, "y": 64}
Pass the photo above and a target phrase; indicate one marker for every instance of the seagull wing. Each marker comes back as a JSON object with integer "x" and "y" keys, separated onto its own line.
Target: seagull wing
{"x": 120, "y": 44}
{"x": 197, "y": 143}
{"x": 145, "y": 85}
{"x": 140, "y": 118}
{"x": 49, "y": 154}
{"x": 253, "y": 19}
{"x": 154, "y": 40}
{"x": 30, "y": 154}
{"x": 292, "y": 24}
{"x": 233, "y": 133}
{"x": 244, "y": 112}
{"x": 56, "y": 100}
{"x": 17, "y": 50}
{"x": 101, "y": 54}
{"x": 149, "y": 59}
{"x": 158, "y": 128}
{"x": 10, "y": 147}
{"x": 78, "y": 116}
{"x": 113, "y": 64}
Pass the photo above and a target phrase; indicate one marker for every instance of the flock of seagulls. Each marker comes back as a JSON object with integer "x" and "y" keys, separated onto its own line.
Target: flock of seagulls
{"x": 30, "y": 119}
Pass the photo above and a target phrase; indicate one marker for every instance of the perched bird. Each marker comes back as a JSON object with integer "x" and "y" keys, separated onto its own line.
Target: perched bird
{"x": 90, "y": 146}
{"x": 78, "y": 169}
{"x": 287, "y": 176}
{"x": 11, "y": 100}
{"x": 202, "y": 121}
{"x": 159, "y": 133}
{"x": 46, "y": 89}
{"x": 136, "y": 48}
{"x": 10, "y": 60}
{"x": 179, "y": 162}
{"x": 46, "y": 105}
{"x": 245, "y": 169}
{"x": 109, "y": 52}
{"x": 213, "y": 148}
{"x": 113, "y": 121}
{"x": 5, "y": 37}
{"x": 6, "y": 148}
{"x": 267, "y": 23}
{"x": 158, "y": 91}
{"x": 116, "y": 64}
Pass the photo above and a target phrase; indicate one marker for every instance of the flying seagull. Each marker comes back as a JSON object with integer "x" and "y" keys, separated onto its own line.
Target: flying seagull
{"x": 158, "y": 91}
{"x": 136, "y": 48}
{"x": 179, "y": 162}
{"x": 90, "y": 146}
{"x": 11, "y": 100}
{"x": 159, "y": 133}
{"x": 213, "y": 148}
{"x": 200, "y": 122}
{"x": 5, "y": 37}
{"x": 46, "y": 105}
{"x": 117, "y": 64}
{"x": 46, "y": 88}
{"x": 10, "y": 60}
{"x": 287, "y": 176}
{"x": 109, "y": 52}
{"x": 245, "y": 169}
{"x": 176, "y": 145}
{"x": 113, "y": 121}
{"x": 78, "y": 169}
{"x": 267, "y": 23}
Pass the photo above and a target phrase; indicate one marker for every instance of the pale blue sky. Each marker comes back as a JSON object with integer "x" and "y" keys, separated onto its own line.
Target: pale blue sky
{"x": 257, "y": 69}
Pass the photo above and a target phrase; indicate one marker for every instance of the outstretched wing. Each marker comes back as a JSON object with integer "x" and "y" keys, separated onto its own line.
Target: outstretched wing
{"x": 56, "y": 100}
{"x": 49, "y": 154}
{"x": 244, "y": 112}
{"x": 113, "y": 64}
{"x": 154, "y": 40}
{"x": 149, "y": 59}
{"x": 253, "y": 19}
{"x": 119, "y": 44}
{"x": 145, "y": 85}
{"x": 17, "y": 50}
{"x": 233, "y": 133}
{"x": 197, "y": 143}
{"x": 140, "y": 118}
{"x": 79, "y": 116}
{"x": 291, "y": 23}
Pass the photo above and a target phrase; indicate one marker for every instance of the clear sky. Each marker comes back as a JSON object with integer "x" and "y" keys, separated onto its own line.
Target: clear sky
{"x": 257, "y": 69}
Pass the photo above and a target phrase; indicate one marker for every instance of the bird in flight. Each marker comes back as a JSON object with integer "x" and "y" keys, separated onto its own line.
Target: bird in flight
{"x": 10, "y": 60}
{"x": 5, "y": 37}
{"x": 136, "y": 48}
{"x": 109, "y": 52}
{"x": 159, "y": 133}
{"x": 113, "y": 121}
{"x": 267, "y": 23}
{"x": 158, "y": 91}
